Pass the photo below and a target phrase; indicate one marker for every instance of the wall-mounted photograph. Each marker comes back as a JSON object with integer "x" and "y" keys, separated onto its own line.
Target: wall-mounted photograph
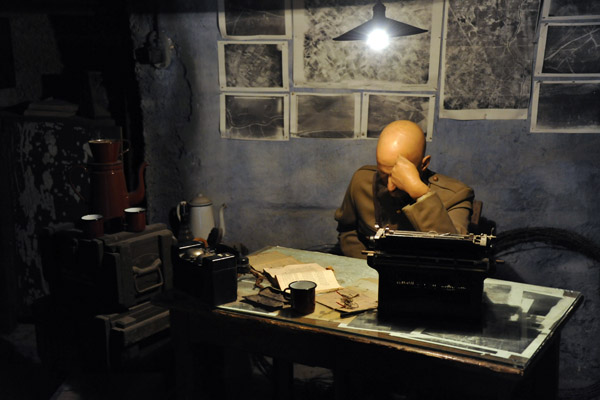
{"x": 253, "y": 65}
{"x": 566, "y": 106}
{"x": 250, "y": 19}
{"x": 380, "y": 109}
{"x": 254, "y": 117}
{"x": 487, "y": 59}
{"x": 325, "y": 115}
{"x": 571, "y": 8}
{"x": 332, "y": 51}
{"x": 569, "y": 49}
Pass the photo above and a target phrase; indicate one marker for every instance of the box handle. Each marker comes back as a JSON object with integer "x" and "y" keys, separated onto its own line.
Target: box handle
{"x": 155, "y": 266}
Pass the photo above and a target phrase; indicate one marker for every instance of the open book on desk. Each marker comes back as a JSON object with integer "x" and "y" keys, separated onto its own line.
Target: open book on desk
{"x": 283, "y": 276}
{"x": 272, "y": 259}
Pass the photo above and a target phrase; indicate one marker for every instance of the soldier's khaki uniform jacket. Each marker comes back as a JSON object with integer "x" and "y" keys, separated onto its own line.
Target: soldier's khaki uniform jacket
{"x": 446, "y": 208}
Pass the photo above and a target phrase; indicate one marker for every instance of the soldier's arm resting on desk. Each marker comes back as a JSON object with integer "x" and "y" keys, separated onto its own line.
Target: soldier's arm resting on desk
{"x": 350, "y": 245}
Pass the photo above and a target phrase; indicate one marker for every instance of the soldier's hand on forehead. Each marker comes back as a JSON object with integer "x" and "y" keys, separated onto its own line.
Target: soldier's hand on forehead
{"x": 406, "y": 177}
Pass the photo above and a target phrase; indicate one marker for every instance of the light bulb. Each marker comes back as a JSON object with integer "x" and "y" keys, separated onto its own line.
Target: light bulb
{"x": 378, "y": 39}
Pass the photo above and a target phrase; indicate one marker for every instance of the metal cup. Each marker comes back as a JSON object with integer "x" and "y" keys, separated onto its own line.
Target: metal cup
{"x": 302, "y": 296}
{"x": 93, "y": 225}
{"x": 135, "y": 218}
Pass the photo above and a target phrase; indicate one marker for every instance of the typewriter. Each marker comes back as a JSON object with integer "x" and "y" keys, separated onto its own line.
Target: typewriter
{"x": 430, "y": 275}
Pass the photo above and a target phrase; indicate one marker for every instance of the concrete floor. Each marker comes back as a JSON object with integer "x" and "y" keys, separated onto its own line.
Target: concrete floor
{"x": 23, "y": 376}
{"x": 27, "y": 378}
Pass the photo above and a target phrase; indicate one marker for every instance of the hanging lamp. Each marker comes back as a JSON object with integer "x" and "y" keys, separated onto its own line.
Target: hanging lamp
{"x": 379, "y": 26}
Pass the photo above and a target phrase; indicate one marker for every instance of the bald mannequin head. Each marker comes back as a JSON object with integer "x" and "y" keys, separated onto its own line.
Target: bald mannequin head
{"x": 401, "y": 139}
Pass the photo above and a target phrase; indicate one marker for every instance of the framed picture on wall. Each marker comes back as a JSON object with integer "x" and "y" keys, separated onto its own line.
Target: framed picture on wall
{"x": 253, "y": 66}
{"x": 569, "y": 50}
{"x": 566, "y": 106}
{"x": 318, "y": 115}
{"x": 379, "y": 109}
{"x": 564, "y": 9}
{"x": 254, "y": 116}
{"x": 407, "y": 63}
{"x": 250, "y": 19}
{"x": 487, "y": 59}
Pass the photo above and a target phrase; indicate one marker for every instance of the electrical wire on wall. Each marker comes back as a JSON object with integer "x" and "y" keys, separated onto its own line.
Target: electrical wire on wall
{"x": 554, "y": 237}
{"x": 559, "y": 239}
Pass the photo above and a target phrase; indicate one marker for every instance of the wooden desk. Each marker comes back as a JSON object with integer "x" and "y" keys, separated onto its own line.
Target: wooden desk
{"x": 513, "y": 353}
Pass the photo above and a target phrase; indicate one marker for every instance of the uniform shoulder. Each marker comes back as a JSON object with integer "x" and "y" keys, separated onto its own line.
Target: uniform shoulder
{"x": 363, "y": 178}
{"x": 446, "y": 182}
{"x": 364, "y": 171}
{"x": 371, "y": 168}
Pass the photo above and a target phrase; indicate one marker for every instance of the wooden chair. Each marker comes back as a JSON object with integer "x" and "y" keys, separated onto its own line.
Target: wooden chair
{"x": 478, "y": 223}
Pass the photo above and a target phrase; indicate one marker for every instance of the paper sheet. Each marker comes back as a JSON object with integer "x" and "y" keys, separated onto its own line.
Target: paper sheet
{"x": 324, "y": 278}
{"x": 360, "y": 300}
{"x": 272, "y": 259}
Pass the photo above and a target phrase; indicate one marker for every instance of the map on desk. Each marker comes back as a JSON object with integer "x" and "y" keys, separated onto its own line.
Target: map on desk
{"x": 518, "y": 318}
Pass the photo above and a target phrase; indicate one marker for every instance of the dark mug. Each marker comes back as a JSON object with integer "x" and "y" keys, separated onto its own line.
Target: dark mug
{"x": 93, "y": 225}
{"x": 135, "y": 218}
{"x": 302, "y": 296}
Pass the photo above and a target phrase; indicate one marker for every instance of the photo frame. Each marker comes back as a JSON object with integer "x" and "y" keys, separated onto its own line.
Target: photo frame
{"x": 325, "y": 115}
{"x": 568, "y": 50}
{"x": 481, "y": 77}
{"x": 248, "y": 19}
{"x": 253, "y": 65}
{"x": 570, "y": 9}
{"x": 408, "y": 63}
{"x": 379, "y": 109}
{"x": 254, "y": 116}
{"x": 566, "y": 106}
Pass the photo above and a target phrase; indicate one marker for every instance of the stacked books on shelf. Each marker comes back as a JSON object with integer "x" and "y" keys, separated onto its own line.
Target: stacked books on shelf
{"x": 51, "y": 108}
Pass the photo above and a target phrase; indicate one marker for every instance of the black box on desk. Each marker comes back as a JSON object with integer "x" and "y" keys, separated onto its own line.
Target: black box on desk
{"x": 211, "y": 277}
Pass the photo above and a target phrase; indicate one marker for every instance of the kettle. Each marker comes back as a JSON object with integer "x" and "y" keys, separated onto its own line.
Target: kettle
{"x": 202, "y": 220}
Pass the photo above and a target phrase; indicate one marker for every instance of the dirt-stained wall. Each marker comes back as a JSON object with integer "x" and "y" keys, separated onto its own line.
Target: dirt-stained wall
{"x": 285, "y": 193}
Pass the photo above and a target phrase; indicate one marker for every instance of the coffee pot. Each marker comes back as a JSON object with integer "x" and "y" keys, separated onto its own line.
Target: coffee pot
{"x": 108, "y": 189}
{"x": 201, "y": 217}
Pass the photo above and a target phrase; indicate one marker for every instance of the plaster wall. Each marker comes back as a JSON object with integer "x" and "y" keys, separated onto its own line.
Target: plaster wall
{"x": 285, "y": 193}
